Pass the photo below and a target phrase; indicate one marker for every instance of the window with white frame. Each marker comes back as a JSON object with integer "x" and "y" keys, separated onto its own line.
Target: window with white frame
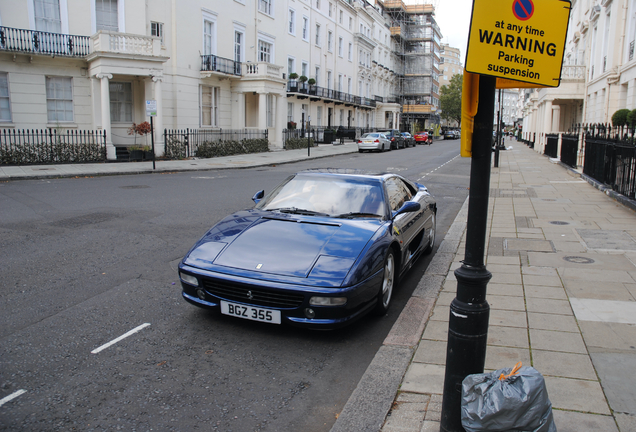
{"x": 59, "y": 99}
{"x": 292, "y": 22}
{"x": 239, "y": 44}
{"x": 329, "y": 79}
{"x": 304, "y": 68}
{"x": 349, "y": 85}
{"x": 156, "y": 29}
{"x": 265, "y": 6}
{"x": 317, "y": 77}
{"x": 341, "y": 17}
{"x": 106, "y": 17}
{"x": 330, "y": 41}
{"x": 330, "y": 9}
{"x": 318, "y": 34}
{"x": 209, "y": 106}
{"x": 340, "y": 44}
{"x": 121, "y": 102}
{"x": 350, "y": 23}
{"x": 47, "y": 16}
{"x": 290, "y": 112}
{"x": 291, "y": 65}
{"x": 350, "y": 53}
{"x": 5, "y": 101}
{"x": 317, "y": 4}
{"x": 340, "y": 82}
{"x": 264, "y": 51}
{"x": 209, "y": 34}
{"x": 306, "y": 29}
{"x": 269, "y": 100}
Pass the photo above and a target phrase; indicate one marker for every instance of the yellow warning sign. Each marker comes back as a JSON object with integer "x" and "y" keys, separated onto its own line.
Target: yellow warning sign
{"x": 520, "y": 40}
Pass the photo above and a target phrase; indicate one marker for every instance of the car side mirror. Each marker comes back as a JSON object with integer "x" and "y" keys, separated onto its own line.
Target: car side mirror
{"x": 408, "y": 207}
{"x": 258, "y": 196}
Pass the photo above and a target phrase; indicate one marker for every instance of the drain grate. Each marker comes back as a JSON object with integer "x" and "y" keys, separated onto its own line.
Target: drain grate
{"x": 559, "y": 223}
{"x": 578, "y": 259}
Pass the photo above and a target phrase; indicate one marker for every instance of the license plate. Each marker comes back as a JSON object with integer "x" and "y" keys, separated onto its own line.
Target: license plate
{"x": 250, "y": 312}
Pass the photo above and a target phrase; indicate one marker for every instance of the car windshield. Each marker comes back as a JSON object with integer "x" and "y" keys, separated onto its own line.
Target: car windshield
{"x": 371, "y": 135}
{"x": 330, "y": 195}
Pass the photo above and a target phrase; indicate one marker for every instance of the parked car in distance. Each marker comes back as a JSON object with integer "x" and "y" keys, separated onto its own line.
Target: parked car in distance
{"x": 449, "y": 135}
{"x": 396, "y": 138}
{"x": 374, "y": 141}
{"x": 421, "y": 137}
{"x": 409, "y": 141}
{"x": 321, "y": 250}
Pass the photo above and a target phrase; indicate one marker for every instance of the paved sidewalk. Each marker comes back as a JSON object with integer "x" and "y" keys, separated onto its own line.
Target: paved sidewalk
{"x": 118, "y": 168}
{"x": 562, "y": 298}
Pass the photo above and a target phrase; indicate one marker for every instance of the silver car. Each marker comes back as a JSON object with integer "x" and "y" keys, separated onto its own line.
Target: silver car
{"x": 374, "y": 141}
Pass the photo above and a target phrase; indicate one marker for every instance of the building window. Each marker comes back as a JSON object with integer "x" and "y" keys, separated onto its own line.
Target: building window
{"x": 328, "y": 79}
{"x": 5, "y": 102}
{"x": 318, "y": 34}
{"x": 209, "y": 106}
{"x": 265, "y": 6}
{"x": 59, "y": 99}
{"x": 209, "y": 37}
{"x": 291, "y": 65}
{"x": 339, "y": 82}
{"x": 340, "y": 43}
{"x": 350, "y": 53}
{"x": 238, "y": 45}
{"x": 317, "y": 4}
{"x": 341, "y": 16}
{"x": 121, "y": 101}
{"x": 47, "y": 16}
{"x": 290, "y": 112}
{"x": 330, "y": 9}
{"x": 304, "y": 69}
{"x": 106, "y": 15}
{"x": 317, "y": 77}
{"x": 349, "y": 85}
{"x": 306, "y": 28}
{"x": 350, "y": 23}
{"x": 292, "y": 22}
{"x": 330, "y": 41}
{"x": 156, "y": 29}
{"x": 264, "y": 51}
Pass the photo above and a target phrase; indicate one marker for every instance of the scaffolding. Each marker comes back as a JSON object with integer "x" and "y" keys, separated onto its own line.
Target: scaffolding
{"x": 416, "y": 46}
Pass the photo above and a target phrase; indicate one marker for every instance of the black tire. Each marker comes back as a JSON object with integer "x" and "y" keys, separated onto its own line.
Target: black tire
{"x": 359, "y": 151}
{"x": 388, "y": 283}
{"x": 431, "y": 237}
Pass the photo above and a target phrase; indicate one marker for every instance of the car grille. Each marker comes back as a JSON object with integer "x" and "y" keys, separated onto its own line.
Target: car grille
{"x": 259, "y": 296}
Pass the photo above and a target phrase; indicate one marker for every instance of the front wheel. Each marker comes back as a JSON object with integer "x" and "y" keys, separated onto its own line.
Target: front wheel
{"x": 388, "y": 281}
{"x": 431, "y": 237}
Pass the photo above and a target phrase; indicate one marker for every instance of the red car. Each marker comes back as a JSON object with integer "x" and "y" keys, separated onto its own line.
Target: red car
{"x": 421, "y": 137}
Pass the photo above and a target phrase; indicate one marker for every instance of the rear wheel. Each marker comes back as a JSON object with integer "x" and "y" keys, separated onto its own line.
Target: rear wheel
{"x": 388, "y": 282}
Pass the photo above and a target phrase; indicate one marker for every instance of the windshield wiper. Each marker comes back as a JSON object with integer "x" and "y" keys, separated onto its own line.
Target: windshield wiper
{"x": 294, "y": 210}
{"x": 352, "y": 215}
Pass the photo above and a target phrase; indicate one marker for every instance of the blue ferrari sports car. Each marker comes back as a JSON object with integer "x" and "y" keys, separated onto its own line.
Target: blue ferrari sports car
{"x": 320, "y": 251}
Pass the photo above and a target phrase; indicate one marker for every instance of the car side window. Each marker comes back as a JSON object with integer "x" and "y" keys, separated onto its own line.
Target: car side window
{"x": 398, "y": 193}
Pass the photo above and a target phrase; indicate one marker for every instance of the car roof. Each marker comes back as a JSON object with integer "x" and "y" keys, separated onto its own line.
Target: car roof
{"x": 348, "y": 172}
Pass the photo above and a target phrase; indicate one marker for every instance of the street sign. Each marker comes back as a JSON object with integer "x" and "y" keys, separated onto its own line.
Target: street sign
{"x": 521, "y": 40}
{"x": 151, "y": 108}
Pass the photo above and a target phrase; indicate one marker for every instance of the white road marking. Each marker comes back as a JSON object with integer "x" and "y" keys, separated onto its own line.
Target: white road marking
{"x": 604, "y": 310}
{"x": 124, "y": 336}
{"x": 12, "y": 396}
{"x": 431, "y": 172}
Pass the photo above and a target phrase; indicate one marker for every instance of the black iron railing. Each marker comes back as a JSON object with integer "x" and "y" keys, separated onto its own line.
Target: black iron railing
{"x": 213, "y": 63}
{"x": 186, "y": 142}
{"x": 551, "y": 146}
{"x": 569, "y": 150}
{"x": 325, "y": 93}
{"x": 46, "y": 146}
{"x": 38, "y": 42}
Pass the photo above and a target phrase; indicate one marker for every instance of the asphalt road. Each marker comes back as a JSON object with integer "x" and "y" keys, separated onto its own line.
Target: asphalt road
{"x": 86, "y": 260}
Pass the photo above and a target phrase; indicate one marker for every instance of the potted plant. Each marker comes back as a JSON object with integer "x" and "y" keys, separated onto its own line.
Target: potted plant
{"x": 293, "y": 84}
{"x": 303, "y": 86}
{"x": 136, "y": 152}
{"x": 312, "y": 86}
{"x": 291, "y": 125}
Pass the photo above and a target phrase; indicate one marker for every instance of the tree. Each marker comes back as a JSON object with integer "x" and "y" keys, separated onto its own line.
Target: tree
{"x": 620, "y": 117}
{"x": 451, "y": 99}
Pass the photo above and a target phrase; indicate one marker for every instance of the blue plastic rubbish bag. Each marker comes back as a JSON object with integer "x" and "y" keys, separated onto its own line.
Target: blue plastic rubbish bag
{"x": 507, "y": 400}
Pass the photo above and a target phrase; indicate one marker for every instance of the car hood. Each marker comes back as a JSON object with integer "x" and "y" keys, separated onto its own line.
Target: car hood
{"x": 280, "y": 244}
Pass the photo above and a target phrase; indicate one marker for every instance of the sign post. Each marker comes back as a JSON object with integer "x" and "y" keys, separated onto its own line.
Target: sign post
{"x": 520, "y": 40}
{"x": 151, "y": 111}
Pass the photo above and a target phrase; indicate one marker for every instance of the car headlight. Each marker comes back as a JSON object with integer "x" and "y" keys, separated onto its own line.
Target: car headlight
{"x": 189, "y": 279}
{"x": 328, "y": 301}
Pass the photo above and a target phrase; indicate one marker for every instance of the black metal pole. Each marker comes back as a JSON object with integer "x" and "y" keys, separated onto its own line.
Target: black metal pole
{"x": 152, "y": 141}
{"x": 469, "y": 311}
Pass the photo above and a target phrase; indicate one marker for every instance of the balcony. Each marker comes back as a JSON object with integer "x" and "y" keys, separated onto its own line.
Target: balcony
{"x": 262, "y": 70}
{"x": 43, "y": 43}
{"x": 329, "y": 95}
{"x": 212, "y": 63}
{"x": 105, "y": 42}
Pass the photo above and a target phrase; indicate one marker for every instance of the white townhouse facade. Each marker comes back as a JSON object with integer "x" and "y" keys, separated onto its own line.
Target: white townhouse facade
{"x": 598, "y": 75}
{"x": 208, "y": 64}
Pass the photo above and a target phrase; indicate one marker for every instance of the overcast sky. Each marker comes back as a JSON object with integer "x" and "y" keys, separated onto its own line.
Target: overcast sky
{"x": 453, "y": 18}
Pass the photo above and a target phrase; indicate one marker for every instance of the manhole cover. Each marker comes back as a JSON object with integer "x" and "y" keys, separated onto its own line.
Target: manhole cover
{"x": 578, "y": 260}
{"x": 559, "y": 223}
{"x": 134, "y": 187}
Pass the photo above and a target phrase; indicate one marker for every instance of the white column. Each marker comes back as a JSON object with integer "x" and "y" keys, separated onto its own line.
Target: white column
{"x": 105, "y": 98}
{"x": 158, "y": 123}
{"x": 547, "y": 126}
{"x": 276, "y": 141}
{"x": 556, "y": 118}
{"x": 262, "y": 111}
